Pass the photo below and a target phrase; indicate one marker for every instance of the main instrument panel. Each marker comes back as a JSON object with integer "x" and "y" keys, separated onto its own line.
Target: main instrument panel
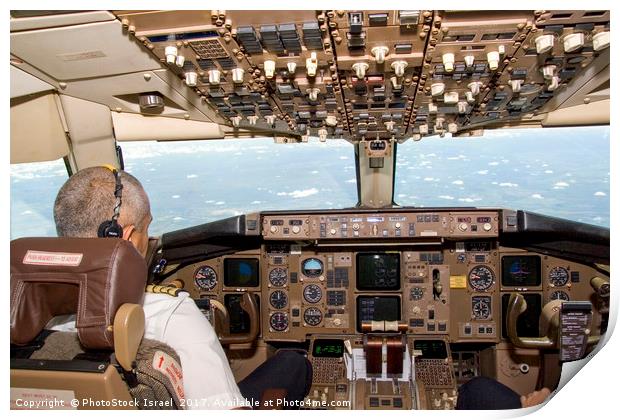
{"x": 442, "y": 273}
{"x": 380, "y": 74}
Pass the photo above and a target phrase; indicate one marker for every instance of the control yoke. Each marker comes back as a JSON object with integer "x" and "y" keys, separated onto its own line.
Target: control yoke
{"x": 554, "y": 314}
{"x": 248, "y": 304}
{"x": 516, "y": 306}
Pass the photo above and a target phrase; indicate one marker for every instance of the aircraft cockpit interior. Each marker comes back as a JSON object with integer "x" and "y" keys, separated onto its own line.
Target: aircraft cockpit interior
{"x": 394, "y": 307}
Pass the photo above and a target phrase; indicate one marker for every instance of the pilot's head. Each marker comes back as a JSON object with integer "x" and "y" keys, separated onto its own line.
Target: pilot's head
{"x": 87, "y": 199}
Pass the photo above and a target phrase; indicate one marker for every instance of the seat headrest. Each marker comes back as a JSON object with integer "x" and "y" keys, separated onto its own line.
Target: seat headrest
{"x": 88, "y": 277}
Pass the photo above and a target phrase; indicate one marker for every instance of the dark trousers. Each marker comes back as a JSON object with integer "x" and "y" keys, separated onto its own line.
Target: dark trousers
{"x": 287, "y": 370}
{"x": 482, "y": 393}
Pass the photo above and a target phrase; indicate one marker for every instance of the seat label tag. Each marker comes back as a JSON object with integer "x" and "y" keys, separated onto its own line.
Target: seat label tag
{"x": 52, "y": 258}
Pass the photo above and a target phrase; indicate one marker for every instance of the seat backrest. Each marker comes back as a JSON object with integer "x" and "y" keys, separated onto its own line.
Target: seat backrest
{"x": 91, "y": 278}
{"x": 102, "y": 282}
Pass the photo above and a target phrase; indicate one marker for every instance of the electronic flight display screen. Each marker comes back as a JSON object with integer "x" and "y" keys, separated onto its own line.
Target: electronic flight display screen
{"x": 327, "y": 347}
{"x": 241, "y": 272}
{"x": 431, "y": 349}
{"x": 378, "y": 271}
{"x": 521, "y": 270}
{"x": 377, "y": 308}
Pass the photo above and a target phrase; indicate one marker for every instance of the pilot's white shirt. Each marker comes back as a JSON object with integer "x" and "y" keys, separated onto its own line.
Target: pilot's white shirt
{"x": 176, "y": 321}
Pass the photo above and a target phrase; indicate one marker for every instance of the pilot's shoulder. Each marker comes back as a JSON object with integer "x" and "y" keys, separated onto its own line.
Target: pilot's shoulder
{"x": 170, "y": 291}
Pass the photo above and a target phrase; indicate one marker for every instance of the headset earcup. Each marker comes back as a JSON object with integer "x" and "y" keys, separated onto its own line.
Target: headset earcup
{"x": 110, "y": 229}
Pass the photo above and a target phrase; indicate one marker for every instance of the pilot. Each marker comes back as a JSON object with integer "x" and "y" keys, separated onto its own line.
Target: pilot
{"x": 85, "y": 200}
{"x": 482, "y": 393}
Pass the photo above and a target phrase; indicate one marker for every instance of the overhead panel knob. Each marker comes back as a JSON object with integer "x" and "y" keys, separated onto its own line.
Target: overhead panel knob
{"x": 423, "y": 129}
{"x": 462, "y": 107}
{"x": 515, "y": 85}
{"x": 469, "y": 61}
{"x": 437, "y": 89}
{"x": 448, "y": 62}
{"x": 474, "y": 88}
{"x": 493, "y": 60}
{"x": 544, "y": 43}
{"x": 180, "y": 61}
{"x": 432, "y": 108}
{"x": 270, "y": 68}
{"x": 399, "y": 67}
{"x": 470, "y": 97}
{"x": 322, "y": 136}
{"x": 453, "y": 128}
{"x": 380, "y": 53}
{"x": 191, "y": 78}
{"x": 214, "y": 77}
{"x": 548, "y": 71}
{"x": 396, "y": 85}
{"x": 312, "y": 64}
{"x": 237, "y": 75}
{"x": 450, "y": 98}
{"x": 291, "y": 67}
{"x": 313, "y": 94}
{"x": 574, "y": 42}
{"x": 600, "y": 41}
{"x": 171, "y": 54}
{"x": 360, "y": 70}
{"x": 554, "y": 82}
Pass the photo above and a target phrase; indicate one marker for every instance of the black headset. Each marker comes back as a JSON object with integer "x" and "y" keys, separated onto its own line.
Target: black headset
{"x": 111, "y": 228}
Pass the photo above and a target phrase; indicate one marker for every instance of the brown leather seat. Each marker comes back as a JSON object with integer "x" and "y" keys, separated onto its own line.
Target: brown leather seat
{"x": 102, "y": 282}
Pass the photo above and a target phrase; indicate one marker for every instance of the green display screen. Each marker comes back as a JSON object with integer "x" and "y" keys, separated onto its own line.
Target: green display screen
{"x": 328, "y": 348}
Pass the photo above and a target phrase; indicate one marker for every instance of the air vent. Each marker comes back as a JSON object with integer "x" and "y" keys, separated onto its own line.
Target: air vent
{"x": 210, "y": 48}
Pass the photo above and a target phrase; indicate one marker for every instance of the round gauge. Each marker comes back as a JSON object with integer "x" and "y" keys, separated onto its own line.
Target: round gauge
{"x": 205, "y": 278}
{"x": 312, "y": 293}
{"x": 278, "y": 321}
{"x": 278, "y": 277}
{"x": 559, "y": 295}
{"x": 558, "y": 276}
{"x": 312, "y": 267}
{"x": 481, "y": 278}
{"x": 313, "y": 316}
{"x": 416, "y": 293}
{"x": 278, "y": 299}
{"x": 481, "y": 307}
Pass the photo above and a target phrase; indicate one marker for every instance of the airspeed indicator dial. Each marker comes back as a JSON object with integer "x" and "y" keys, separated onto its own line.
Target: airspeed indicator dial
{"x": 205, "y": 278}
{"x": 481, "y": 278}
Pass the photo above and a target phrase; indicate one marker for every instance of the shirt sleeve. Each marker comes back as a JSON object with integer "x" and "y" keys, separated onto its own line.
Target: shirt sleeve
{"x": 207, "y": 378}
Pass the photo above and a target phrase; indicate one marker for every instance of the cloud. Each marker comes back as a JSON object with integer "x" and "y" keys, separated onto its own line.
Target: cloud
{"x": 508, "y": 184}
{"x": 469, "y": 199}
{"x": 220, "y": 203}
{"x": 190, "y": 176}
{"x": 560, "y": 185}
{"x": 351, "y": 181}
{"x": 548, "y": 171}
{"x": 493, "y": 163}
{"x": 256, "y": 202}
{"x": 600, "y": 194}
{"x": 483, "y": 172}
{"x": 538, "y": 196}
{"x": 457, "y": 182}
{"x": 446, "y": 197}
{"x": 176, "y": 196}
{"x": 300, "y": 193}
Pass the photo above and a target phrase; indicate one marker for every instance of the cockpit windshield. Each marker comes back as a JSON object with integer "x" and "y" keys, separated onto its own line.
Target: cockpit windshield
{"x": 557, "y": 172}
{"x": 560, "y": 172}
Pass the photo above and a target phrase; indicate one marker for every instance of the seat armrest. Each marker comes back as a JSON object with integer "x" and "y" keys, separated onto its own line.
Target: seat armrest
{"x": 128, "y": 333}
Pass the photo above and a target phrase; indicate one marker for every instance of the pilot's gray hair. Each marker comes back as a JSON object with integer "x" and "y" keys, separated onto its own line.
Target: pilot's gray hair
{"x": 87, "y": 199}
